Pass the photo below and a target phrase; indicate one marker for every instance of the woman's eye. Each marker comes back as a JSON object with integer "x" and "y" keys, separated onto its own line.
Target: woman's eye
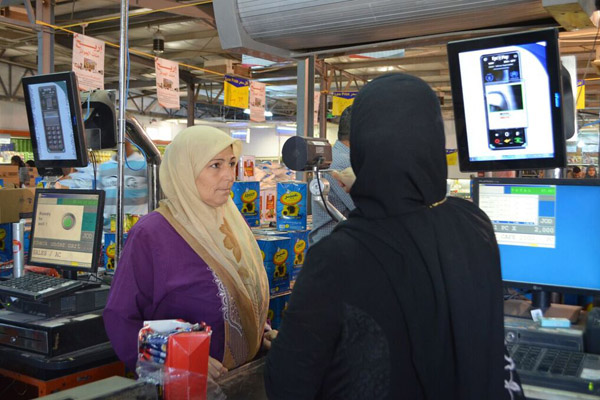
{"x": 232, "y": 164}
{"x": 215, "y": 165}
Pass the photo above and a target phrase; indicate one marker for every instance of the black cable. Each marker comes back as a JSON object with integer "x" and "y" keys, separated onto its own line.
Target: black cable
{"x": 100, "y": 279}
{"x": 7, "y": 387}
{"x": 321, "y": 193}
{"x": 94, "y": 164}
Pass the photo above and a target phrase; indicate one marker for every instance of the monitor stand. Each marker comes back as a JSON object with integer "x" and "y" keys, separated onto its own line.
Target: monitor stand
{"x": 541, "y": 300}
{"x": 69, "y": 275}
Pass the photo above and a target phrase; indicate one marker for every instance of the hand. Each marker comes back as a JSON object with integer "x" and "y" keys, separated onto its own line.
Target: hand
{"x": 268, "y": 337}
{"x": 345, "y": 178}
{"x": 215, "y": 368}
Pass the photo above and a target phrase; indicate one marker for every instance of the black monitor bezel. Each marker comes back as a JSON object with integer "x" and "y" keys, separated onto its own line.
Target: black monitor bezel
{"x": 76, "y": 119}
{"x": 553, "y": 64}
{"x": 534, "y": 181}
{"x": 98, "y": 229}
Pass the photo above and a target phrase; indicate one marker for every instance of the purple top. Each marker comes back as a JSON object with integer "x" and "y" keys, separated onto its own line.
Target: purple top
{"x": 159, "y": 276}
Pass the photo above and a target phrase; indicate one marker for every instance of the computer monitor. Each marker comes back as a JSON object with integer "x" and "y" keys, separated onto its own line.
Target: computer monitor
{"x": 54, "y": 114}
{"x": 547, "y": 231}
{"x": 508, "y": 101}
{"x": 66, "y": 229}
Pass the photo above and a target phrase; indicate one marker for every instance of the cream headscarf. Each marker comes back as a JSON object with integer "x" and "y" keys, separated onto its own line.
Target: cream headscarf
{"x": 220, "y": 236}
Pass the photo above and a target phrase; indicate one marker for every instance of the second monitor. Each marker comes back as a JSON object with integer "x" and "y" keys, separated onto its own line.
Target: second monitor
{"x": 66, "y": 229}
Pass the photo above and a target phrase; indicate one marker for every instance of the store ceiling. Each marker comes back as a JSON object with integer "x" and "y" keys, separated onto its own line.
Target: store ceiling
{"x": 191, "y": 38}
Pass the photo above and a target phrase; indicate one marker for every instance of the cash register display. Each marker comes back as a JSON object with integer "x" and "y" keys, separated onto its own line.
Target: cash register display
{"x": 547, "y": 230}
{"x": 66, "y": 229}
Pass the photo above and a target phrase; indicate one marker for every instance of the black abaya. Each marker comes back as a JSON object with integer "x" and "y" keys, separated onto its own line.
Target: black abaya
{"x": 404, "y": 299}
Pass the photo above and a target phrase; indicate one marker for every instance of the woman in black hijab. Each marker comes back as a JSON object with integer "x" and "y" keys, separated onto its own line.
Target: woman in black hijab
{"x": 404, "y": 299}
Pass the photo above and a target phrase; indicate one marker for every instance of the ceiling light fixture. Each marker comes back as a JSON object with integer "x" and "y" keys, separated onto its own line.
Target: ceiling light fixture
{"x": 158, "y": 42}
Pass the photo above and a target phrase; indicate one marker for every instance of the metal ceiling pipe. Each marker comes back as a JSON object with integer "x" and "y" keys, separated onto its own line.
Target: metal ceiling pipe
{"x": 304, "y": 25}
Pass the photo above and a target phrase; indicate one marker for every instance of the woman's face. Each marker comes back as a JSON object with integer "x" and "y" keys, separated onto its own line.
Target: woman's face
{"x": 591, "y": 171}
{"x": 216, "y": 178}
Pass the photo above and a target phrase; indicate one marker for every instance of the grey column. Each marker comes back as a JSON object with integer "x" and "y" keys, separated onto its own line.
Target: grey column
{"x": 191, "y": 101}
{"x": 123, "y": 50}
{"x": 44, "y": 11}
{"x": 305, "y": 105}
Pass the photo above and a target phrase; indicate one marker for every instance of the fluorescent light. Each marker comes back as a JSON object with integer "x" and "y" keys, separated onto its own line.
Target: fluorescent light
{"x": 267, "y": 113}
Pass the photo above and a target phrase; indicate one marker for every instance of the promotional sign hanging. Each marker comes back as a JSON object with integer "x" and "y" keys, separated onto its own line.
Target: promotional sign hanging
{"x": 167, "y": 82}
{"x": 88, "y": 62}
{"x": 341, "y": 100}
{"x": 580, "y": 94}
{"x": 257, "y": 101}
{"x": 236, "y": 91}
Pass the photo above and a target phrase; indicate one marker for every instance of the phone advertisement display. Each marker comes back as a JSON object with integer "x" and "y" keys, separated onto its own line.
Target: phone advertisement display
{"x": 507, "y": 97}
{"x": 511, "y": 84}
{"x": 52, "y": 119}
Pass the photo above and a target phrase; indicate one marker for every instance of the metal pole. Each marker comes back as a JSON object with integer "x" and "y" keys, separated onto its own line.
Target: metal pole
{"x": 123, "y": 51}
{"x": 323, "y": 102}
{"x": 44, "y": 11}
{"x": 191, "y": 101}
{"x": 305, "y": 103}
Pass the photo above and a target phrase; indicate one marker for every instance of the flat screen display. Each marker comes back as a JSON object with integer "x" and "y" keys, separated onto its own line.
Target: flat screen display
{"x": 507, "y": 101}
{"x": 66, "y": 229}
{"x": 547, "y": 230}
{"x": 55, "y": 121}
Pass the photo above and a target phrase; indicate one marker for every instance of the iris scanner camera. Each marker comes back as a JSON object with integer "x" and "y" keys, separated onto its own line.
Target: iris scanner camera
{"x": 305, "y": 153}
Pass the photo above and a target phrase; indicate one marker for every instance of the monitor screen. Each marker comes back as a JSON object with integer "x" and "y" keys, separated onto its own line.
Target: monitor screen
{"x": 507, "y": 98}
{"x": 547, "y": 230}
{"x": 55, "y": 121}
{"x": 66, "y": 229}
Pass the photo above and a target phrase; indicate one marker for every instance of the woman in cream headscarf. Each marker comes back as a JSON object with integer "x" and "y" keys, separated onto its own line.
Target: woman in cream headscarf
{"x": 194, "y": 258}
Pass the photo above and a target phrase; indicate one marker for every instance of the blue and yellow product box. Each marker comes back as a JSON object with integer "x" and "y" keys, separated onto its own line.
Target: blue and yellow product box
{"x": 276, "y": 253}
{"x": 109, "y": 250}
{"x": 6, "y": 249}
{"x": 291, "y": 206}
{"x": 277, "y": 308}
{"x": 299, "y": 242}
{"x": 246, "y": 196}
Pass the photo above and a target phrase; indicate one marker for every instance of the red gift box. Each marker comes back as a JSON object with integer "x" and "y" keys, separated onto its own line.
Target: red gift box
{"x": 186, "y": 366}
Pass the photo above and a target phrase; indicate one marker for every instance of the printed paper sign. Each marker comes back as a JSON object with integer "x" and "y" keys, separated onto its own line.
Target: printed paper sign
{"x": 236, "y": 91}
{"x": 258, "y": 101}
{"x": 341, "y": 100}
{"x": 88, "y": 62}
{"x": 167, "y": 83}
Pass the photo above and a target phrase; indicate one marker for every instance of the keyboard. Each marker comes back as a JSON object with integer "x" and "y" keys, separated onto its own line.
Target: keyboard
{"x": 38, "y": 287}
{"x": 557, "y": 369}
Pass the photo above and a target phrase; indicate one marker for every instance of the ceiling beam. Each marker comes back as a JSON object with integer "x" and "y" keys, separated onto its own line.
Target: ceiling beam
{"x": 206, "y": 34}
{"x": 381, "y": 62}
{"x": 67, "y": 42}
{"x": 191, "y": 11}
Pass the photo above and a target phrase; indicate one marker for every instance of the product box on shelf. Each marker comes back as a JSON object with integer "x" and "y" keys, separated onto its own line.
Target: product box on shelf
{"x": 277, "y": 308}
{"x": 245, "y": 195}
{"x": 6, "y": 251}
{"x": 109, "y": 249}
{"x": 291, "y": 206}
{"x": 276, "y": 252}
{"x": 246, "y": 168}
{"x": 299, "y": 240}
{"x": 267, "y": 204}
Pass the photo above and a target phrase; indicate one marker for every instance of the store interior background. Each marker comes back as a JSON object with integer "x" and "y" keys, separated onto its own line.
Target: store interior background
{"x": 417, "y": 46}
